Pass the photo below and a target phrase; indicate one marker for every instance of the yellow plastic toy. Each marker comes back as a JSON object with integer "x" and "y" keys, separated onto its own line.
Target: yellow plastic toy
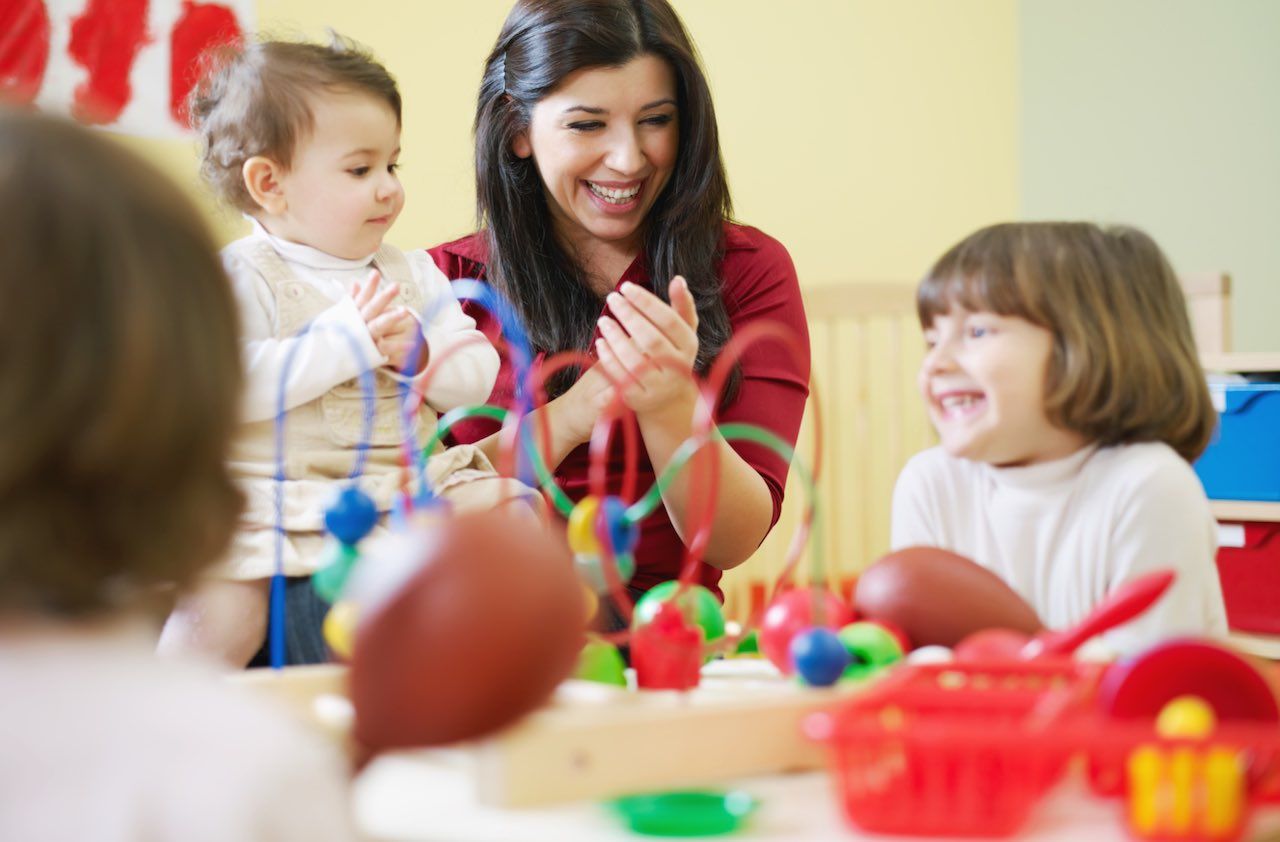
{"x": 340, "y": 628}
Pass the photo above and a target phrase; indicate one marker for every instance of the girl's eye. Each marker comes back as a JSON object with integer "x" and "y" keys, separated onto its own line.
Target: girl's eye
{"x": 393, "y": 168}
{"x": 978, "y": 331}
{"x": 658, "y": 119}
{"x": 359, "y": 172}
{"x": 586, "y": 125}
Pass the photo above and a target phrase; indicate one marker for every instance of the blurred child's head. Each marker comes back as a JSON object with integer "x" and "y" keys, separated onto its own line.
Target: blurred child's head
{"x": 306, "y": 139}
{"x": 119, "y": 377}
{"x": 1046, "y": 336}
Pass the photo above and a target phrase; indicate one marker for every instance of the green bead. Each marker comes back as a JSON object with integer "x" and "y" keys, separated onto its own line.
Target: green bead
{"x": 749, "y": 645}
{"x": 335, "y": 567}
{"x": 600, "y": 661}
{"x": 871, "y": 648}
{"x": 591, "y": 570}
{"x": 706, "y": 609}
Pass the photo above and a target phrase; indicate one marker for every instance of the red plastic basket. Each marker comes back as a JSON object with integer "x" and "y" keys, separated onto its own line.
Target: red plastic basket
{"x": 952, "y": 749}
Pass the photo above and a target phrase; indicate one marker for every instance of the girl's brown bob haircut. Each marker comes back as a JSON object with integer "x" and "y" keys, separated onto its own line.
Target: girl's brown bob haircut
{"x": 1124, "y": 366}
{"x": 119, "y": 377}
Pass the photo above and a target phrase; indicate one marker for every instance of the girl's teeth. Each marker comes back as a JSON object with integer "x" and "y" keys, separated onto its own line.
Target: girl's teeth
{"x": 615, "y": 197}
{"x": 959, "y": 401}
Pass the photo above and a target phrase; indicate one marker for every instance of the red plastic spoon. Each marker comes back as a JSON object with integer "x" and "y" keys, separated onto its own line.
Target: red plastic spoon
{"x": 1125, "y": 603}
{"x": 1119, "y": 607}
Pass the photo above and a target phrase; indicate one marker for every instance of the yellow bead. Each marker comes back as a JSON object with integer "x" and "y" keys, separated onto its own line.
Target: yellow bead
{"x": 591, "y": 602}
{"x": 1186, "y": 717}
{"x": 582, "y": 527}
{"x": 340, "y": 629}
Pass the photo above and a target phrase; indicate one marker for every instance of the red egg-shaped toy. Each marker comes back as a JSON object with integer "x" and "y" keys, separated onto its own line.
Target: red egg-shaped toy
{"x": 938, "y": 597}
{"x": 481, "y": 632}
{"x": 792, "y": 612}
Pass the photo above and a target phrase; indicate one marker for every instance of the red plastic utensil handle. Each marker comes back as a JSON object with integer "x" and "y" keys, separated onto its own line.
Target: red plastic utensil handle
{"x": 1125, "y": 603}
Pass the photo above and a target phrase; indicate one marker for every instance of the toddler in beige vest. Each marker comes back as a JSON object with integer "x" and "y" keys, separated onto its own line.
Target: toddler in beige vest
{"x": 305, "y": 140}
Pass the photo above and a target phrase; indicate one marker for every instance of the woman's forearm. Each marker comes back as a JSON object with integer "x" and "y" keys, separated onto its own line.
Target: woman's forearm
{"x": 560, "y": 439}
{"x": 743, "y": 504}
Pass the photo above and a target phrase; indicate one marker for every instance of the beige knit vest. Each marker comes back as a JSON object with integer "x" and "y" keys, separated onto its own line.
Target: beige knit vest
{"x": 321, "y": 436}
{"x": 321, "y": 439}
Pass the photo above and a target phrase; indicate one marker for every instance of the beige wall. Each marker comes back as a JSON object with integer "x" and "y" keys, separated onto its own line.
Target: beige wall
{"x": 1164, "y": 114}
{"x": 866, "y": 135}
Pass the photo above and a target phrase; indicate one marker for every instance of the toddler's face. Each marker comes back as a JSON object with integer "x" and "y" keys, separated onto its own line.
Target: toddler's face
{"x": 342, "y": 193}
{"x": 983, "y": 383}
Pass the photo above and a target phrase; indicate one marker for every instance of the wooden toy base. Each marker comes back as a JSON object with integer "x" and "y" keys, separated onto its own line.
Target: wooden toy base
{"x": 598, "y": 741}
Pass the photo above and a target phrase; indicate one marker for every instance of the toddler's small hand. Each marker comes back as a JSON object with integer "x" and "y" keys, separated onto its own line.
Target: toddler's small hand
{"x": 372, "y": 300}
{"x": 397, "y": 335}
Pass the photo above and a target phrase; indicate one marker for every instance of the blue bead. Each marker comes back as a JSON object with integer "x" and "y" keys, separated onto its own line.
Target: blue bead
{"x": 819, "y": 656}
{"x": 622, "y": 530}
{"x": 350, "y": 517}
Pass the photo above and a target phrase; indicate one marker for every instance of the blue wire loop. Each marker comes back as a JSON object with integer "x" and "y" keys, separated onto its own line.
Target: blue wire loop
{"x": 275, "y": 631}
{"x": 520, "y": 352}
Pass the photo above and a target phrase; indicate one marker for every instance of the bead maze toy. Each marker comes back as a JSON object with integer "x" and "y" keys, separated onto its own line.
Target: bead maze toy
{"x": 671, "y": 632}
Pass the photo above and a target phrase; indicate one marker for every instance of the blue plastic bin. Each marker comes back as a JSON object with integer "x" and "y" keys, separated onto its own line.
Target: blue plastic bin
{"x": 1243, "y": 460}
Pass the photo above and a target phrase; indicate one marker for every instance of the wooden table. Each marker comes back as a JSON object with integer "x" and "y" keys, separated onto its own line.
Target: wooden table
{"x": 430, "y": 797}
{"x": 433, "y": 795}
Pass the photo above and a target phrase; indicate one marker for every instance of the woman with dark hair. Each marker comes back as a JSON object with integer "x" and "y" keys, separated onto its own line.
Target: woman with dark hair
{"x": 605, "y": 219}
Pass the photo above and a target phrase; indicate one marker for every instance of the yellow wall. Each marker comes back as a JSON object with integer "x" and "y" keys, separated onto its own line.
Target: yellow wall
{"x": 866, "y": 135}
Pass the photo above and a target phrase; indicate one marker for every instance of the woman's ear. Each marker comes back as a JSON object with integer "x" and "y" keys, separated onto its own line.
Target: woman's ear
{"x": 262, "y": 180}
{"x": 520, "y": 146}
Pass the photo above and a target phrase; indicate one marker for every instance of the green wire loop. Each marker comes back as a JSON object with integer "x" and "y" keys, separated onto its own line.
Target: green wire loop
{"x": 545, "y": 478}
{"x": 650, "y": 500}
{"x": 645, "y": 506}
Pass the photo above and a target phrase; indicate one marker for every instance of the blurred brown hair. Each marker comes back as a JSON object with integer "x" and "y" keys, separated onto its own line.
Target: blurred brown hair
{"x": 254, "y": 100}
{"x": 119, "y": 376}
{"x": 1124, "y": 366}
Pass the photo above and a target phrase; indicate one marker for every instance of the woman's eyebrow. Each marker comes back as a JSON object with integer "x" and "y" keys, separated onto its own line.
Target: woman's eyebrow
{"x": 592, "y": 109}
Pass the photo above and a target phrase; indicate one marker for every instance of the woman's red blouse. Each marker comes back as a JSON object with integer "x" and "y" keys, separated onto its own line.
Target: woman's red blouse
{"x": 759, "y": 284}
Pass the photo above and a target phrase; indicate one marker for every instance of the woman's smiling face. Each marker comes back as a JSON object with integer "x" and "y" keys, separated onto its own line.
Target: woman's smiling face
{"x": 605, "y": 144}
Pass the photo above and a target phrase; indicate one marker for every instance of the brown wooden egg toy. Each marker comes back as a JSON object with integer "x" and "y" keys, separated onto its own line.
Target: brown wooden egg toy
{"x": 482, "y": 629}
{"x": 938, "y": 597}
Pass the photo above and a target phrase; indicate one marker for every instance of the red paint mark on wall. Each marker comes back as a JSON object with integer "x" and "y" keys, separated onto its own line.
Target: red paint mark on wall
{"x": 202, "y": 27}
{"x": 105, "y": 40}
{"x": 24, "y": 49}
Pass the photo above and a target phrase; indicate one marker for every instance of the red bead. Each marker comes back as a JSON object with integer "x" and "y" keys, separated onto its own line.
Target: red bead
{"x": 791, "y": 613}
